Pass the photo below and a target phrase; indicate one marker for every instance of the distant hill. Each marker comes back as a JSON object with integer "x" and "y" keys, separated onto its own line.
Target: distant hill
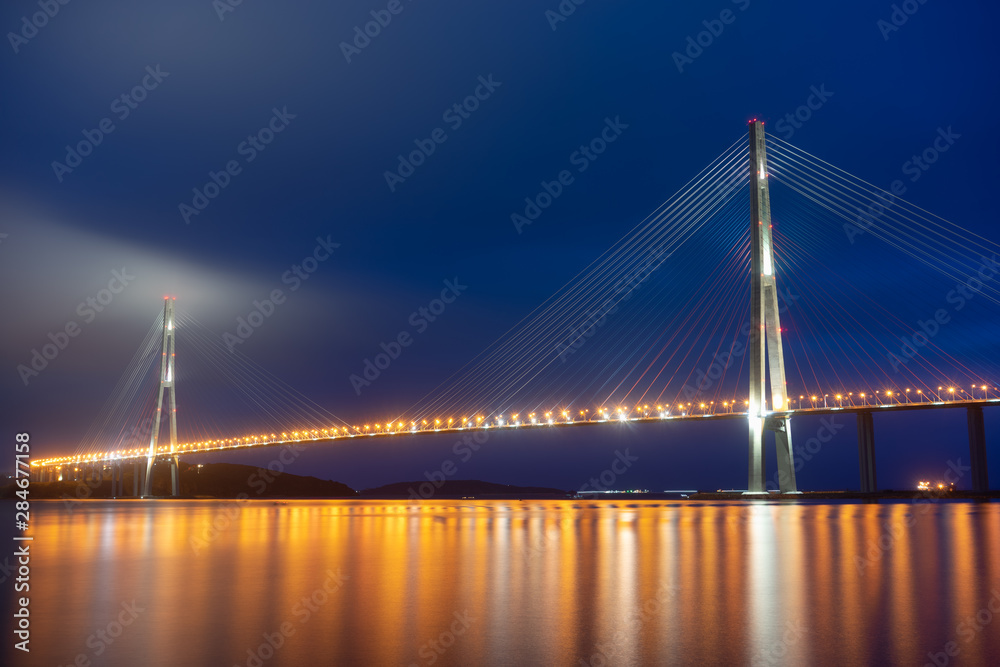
{"x": 215, "y": 480}
{"x": 227, "y": 480}
{"x": 458, "y": 488}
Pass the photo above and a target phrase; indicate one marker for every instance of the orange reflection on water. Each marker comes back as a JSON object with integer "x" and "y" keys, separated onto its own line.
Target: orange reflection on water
{"x": 513, "y": 582}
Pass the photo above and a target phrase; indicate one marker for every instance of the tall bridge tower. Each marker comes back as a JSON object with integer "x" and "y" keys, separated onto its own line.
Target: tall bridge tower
{"x": 167, "y": 383}
{"x": 765, "y": 332}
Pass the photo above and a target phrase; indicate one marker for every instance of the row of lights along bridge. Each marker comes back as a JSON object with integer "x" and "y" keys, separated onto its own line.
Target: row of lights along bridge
{"x": 561, "y": 417}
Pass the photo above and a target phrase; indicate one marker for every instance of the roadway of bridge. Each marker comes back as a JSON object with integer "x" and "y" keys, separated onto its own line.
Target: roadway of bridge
{"x": 818, "y": 410}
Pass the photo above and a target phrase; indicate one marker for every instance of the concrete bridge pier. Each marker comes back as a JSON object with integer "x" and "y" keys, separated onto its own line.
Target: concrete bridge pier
{"x": 866, "y": 452}
{"x": 175, "y": 489}
{"x": 977, "y": 448}
{"x": 135, "y": 478}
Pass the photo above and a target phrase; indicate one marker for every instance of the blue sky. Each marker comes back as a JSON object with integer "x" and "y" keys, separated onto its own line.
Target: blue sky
{"x": 199, "y": 80}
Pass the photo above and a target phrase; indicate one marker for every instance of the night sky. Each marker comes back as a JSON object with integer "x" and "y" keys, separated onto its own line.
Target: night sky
{"x": 201, "y": 80}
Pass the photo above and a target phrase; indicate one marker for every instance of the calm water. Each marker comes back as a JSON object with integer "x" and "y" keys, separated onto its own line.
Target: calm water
{"x": 513, "y": 583}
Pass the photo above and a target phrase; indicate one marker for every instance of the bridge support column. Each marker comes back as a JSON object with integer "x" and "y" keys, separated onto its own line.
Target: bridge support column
{"x": 866, "y": 452}
{"x": 167, "y": 385}
{"x": 766, "y": 356}
{"x": 175, "y": 488}
{"x": 135, "y": 478}
{"x": 977, "y": 449}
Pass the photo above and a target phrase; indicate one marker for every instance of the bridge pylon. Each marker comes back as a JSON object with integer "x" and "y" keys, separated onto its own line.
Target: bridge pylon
{"x": 765, "y": 333}
{"x": 167, "y": 384}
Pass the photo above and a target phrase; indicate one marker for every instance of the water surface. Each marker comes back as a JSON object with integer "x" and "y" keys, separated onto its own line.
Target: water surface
{"x": 513, "y": 583}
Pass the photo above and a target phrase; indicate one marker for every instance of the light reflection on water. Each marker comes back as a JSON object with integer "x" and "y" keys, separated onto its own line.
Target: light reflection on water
{"x": 513, "y": 583}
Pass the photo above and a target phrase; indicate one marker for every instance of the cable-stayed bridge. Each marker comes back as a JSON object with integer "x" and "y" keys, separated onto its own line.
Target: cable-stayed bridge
{"x": 771, "y": 332}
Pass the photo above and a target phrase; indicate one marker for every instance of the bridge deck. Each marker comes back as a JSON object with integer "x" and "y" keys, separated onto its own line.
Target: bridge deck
{"x": 193, "y": 449}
